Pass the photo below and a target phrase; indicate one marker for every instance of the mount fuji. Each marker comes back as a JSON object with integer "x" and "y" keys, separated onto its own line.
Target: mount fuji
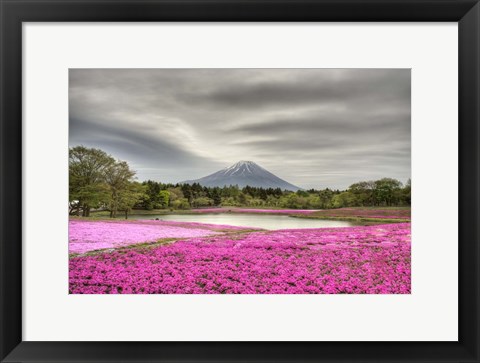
{"x": 242, "y": 174}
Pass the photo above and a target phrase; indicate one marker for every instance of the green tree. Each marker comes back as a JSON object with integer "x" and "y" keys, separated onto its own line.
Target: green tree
{"x": 181, "y": 203}
{"x": 406, "y": 193}
{"x": 202, "y": 202}
{"x": 216, "y": 196}
{"x": 386, "y": 190}
{"x": 187, "y": 192}
{"x": 129, "y": 195}
{"x": 364, "y": 192}
{"x": 164, "y": 198}
{"x": 118, "y": 177}
{"x": 175, "y": 194}
{"x": 87, "y": 170}
{"x": 150, "y": 200}
{"x": 325, "y": 197}
{"x": 345, "y": 199}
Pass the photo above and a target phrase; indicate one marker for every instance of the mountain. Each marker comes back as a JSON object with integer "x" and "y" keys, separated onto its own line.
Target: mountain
{"x": 242, "y": 174}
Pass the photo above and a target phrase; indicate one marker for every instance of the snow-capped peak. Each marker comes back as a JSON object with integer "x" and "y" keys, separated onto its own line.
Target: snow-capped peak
{"x": 243, "y": 173}
{"x": 241, "y": 167}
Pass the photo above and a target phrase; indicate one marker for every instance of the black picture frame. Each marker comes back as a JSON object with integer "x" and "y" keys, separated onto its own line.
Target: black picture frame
{"x": 14, "y": 12}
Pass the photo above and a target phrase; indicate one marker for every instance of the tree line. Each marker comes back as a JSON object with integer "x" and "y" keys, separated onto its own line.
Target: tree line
{"x": 98, "y": 181}
{"x": 382, "y": 192}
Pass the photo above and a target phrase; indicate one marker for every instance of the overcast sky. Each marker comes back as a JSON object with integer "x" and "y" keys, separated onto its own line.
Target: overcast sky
{"x": 315, "y": 128}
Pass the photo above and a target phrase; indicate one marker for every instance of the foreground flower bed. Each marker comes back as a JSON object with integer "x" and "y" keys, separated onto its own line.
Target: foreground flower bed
{"x": 353, "y": 260}
{"x": 86, "y": 236}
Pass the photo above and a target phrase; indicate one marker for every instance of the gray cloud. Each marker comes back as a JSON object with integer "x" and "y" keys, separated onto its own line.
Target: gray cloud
{"x": 329, "y": 86}
{"x": 312, "y": 127}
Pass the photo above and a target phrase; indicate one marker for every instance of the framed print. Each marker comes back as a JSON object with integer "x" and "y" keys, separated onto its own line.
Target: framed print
{"x": 239, "y": 181}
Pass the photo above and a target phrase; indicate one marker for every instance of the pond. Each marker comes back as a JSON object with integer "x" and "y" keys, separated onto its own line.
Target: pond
{"x": 263, "y": 221}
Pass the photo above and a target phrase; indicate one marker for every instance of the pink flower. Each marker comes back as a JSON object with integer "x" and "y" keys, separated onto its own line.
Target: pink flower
{"x": 87, "y": 236}
{"x": 352, "y": 260}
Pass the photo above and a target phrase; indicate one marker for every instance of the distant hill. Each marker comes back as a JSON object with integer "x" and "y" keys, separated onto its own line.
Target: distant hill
{"x": 242, "y": 174}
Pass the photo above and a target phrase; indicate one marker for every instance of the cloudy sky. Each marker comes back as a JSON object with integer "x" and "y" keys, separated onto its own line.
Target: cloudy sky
{"x": 314, "y": 128}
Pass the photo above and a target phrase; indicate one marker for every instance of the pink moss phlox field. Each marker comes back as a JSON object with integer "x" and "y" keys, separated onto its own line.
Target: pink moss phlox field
{"x": 85, "y": 236}
{"x": 248, "y": 210}
{"x": 212, "y": 227}
{"x": 352, "y": 260}
{"x": 366, "y": 213}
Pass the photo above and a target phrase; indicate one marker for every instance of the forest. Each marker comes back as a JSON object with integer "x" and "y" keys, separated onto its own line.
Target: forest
{"x": 99, "y": 181}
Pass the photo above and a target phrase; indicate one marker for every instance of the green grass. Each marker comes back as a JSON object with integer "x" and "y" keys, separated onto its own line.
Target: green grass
{"x": 160, "y": 242}
{"x": 359, "y": 220}
{"x": 369, "y": 214}
{"x": 374, "y": 208}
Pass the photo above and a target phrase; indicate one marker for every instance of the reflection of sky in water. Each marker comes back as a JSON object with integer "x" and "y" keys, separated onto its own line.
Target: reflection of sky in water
{"x": 250, "y": 220}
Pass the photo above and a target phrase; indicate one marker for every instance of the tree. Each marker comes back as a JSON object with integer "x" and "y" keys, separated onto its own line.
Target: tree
{"x": 150, "y": 200}
{"x": 216, "y": 196}
{"x": 92, "y": 196}
{"x": 164, "y": 198}
{"x": 345, "y": 199}
{"x": 302, "y": 193}
{"x": 96, "y": 180}
{"x": 407, "y": 192}
{"x": 293, "y": 200}
{"x": 187, "y": 192}
{"x": 202, "y": 202}
{"x": 129, "y": 195}
{"x": 325, "y": 197}
{"x": 386, "y": 190}
{"x": 175, "y": 194}
{"x": 118, "y": 177}
{"x": 181, "y": 203}
{"x": 364, "y": 192}
{"x": 87, "y": 169}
